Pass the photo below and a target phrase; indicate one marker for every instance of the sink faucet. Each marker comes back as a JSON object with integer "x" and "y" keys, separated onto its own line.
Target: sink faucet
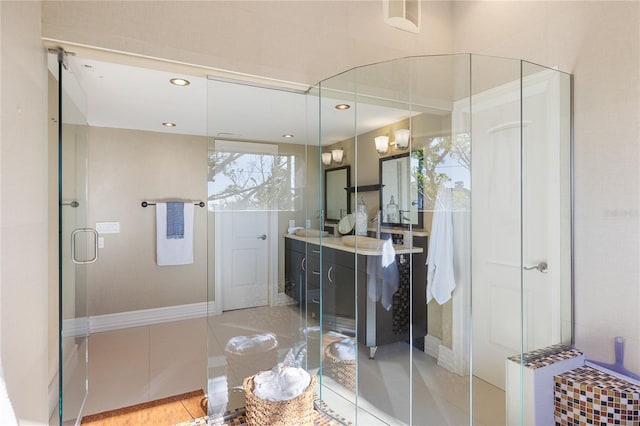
{"x": 377, "y": 219}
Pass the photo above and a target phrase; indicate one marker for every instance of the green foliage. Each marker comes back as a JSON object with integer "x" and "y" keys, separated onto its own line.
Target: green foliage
{"x": 432, "y": 156}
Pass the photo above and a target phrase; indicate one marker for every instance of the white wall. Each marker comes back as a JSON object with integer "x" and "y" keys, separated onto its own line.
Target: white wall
{"x": 598, "y": 42}
{"x": 163, "y": 167}
{"x": 23, "y": 212}
{"x": 299, "y": 41}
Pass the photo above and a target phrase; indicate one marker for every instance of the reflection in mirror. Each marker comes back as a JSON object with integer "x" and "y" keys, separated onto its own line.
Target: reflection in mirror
{"x": 337, "y": 203}
{"x": 400, "y": 194}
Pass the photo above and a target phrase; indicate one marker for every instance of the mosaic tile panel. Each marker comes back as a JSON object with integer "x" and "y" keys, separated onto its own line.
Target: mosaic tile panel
{"x": 546, "y": 356}
{"x": 402, "y": 299}
{"x": 586, "y": 396}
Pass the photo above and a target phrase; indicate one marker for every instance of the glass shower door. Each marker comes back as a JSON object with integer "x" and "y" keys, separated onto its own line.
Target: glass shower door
{"x": 77, "y": 243}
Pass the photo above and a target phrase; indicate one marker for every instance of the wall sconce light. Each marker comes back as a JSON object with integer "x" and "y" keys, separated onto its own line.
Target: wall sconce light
{"x": 337, "y": 155}
{"x": 402, "y": 138}
{"x": 401, "y": 141}
{"x": 382, "y": 144}
{"x": 326, "y": 158}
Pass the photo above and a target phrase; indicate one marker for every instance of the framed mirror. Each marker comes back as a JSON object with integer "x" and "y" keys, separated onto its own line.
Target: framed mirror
{"x": 400, "y": 194}
{"x": 337, "y": 203}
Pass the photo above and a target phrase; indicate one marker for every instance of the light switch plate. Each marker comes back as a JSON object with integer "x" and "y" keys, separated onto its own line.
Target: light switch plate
{"x": 108, "y": 227}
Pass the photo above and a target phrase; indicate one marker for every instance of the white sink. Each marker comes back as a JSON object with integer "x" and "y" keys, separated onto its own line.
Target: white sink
{"x": 310, "y": 232}
{"x": 363, "y": 242}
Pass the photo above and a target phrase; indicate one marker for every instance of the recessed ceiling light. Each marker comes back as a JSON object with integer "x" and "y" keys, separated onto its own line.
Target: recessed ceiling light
{"x": 287, "y": 135}
{"x": 168, "y": 124}
{"x": 342, "y": 107}
{"x": 179, "y": 82}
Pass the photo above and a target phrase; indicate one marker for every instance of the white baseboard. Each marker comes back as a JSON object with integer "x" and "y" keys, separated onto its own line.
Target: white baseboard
{"x": 445, "y": 358}
{"x": 144, "y": 317}
{"x": 432, "y": 346}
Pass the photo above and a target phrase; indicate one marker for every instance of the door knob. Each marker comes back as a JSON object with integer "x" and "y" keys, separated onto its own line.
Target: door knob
{"x": 541, "y": 267}
{"x": 262, "y": 237}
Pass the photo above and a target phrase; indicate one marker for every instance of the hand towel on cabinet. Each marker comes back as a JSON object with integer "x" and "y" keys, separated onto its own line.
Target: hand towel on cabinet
{"x": 383, "y": 278}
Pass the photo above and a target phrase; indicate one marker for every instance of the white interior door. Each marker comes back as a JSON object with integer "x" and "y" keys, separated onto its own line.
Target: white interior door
{"x": 244, "y": 195}
{"x": 245, "y": 259}
{"x": 520, "y": 205}
{"x": 496, "y": 253}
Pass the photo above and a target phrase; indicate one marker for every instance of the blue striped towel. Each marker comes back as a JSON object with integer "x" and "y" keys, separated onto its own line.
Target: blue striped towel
{"x": 175, "y": 221}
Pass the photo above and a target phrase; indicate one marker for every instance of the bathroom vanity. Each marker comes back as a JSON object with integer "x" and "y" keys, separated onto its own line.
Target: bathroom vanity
{"x": 330, "y": 264}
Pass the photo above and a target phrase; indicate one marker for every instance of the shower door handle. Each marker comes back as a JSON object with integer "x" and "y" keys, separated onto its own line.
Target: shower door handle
{"x": 73, "y": 246}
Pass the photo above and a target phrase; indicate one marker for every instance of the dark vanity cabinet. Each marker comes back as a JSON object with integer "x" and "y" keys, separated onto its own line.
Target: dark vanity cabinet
{"x": 340, "y": 272}
{"x": 378, "y": 326}
{"x": 307, "y": 267}
{"x": 295, "y": 266}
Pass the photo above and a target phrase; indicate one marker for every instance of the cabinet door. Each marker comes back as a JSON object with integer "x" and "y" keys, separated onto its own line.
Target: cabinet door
{"x": 295, "y": 275}
{"x": 313, "y": 268}
{"x": 289, "y": 272}
{"x": 341, "y": 282}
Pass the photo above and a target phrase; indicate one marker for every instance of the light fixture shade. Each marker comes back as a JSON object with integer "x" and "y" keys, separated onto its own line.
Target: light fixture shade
{"x": 402, "y": 138}
{"x": 337, "y": 155}
{"x": 326, "y": 158}
{"x": 382, "y": 144}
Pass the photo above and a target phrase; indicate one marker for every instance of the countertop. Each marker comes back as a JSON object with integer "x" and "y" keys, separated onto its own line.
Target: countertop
{"x": 336, "y": 243}
{"x": 416, "y": 232}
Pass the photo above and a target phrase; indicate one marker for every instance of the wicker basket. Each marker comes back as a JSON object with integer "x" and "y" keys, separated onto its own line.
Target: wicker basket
{"x": 248, "y": 363}
{"x": 297, "y": 411}
{"x": 341, "y": 370}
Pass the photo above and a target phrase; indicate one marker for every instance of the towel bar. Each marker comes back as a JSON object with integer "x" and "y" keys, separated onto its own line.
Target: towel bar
{"x": 145, "y": 204}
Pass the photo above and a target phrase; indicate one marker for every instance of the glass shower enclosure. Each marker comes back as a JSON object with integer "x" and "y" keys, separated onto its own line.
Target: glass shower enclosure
{"x": 414, "y": 236}
{"x": 466, "y": 257}
{"x": 405, "y": 231}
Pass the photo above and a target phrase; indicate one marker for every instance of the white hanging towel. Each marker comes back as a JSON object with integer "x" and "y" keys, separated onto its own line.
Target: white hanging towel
{"x": 440, "y": 276}
{"x": 174, "y": 251}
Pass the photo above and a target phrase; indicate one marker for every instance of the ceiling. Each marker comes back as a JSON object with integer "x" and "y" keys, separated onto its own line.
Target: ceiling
{"x": 124, "y": 96}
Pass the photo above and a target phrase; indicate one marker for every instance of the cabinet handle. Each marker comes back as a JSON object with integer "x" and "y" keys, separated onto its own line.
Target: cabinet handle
{"x": 316, "y": 251}
{"x": 315, "y": 272}
{"x": 329, "y": 274}
{"x": 303, "y": 263}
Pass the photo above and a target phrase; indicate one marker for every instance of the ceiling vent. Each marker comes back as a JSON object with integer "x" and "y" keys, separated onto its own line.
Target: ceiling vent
{"x": 402, "y": 14}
